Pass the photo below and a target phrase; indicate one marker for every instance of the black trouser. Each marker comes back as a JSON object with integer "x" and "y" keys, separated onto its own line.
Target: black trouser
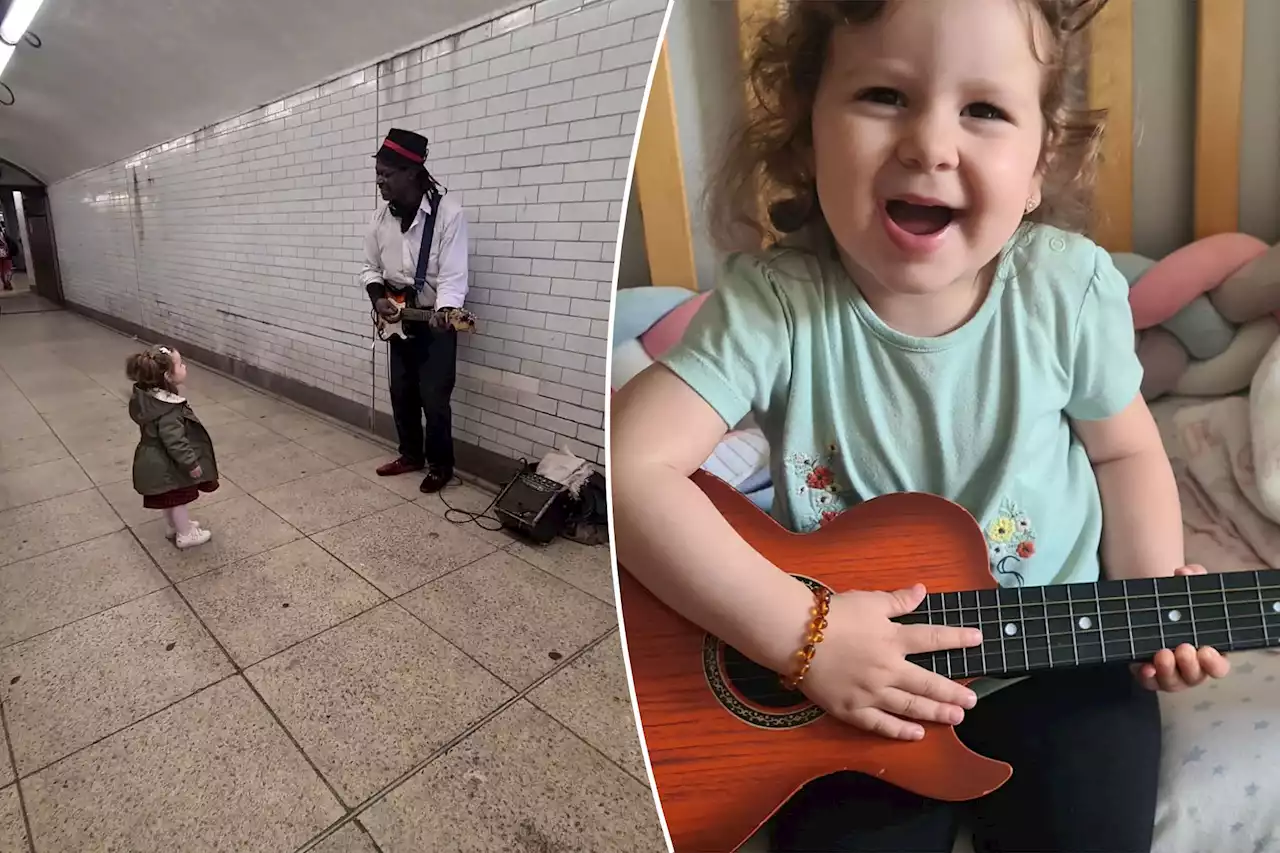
{"x": 1085, "y": 748}
{"x": 423, "y": 371}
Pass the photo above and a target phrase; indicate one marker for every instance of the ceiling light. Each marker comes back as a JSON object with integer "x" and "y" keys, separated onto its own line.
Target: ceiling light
{"x": 17, "y": 19}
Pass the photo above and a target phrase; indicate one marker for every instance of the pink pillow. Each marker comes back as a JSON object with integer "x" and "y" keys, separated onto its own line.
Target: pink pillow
{"x": 1180, "y": 277}
{"x": 666, "y": 333}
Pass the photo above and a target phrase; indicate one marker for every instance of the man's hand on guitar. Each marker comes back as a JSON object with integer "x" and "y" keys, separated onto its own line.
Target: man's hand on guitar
{"x": 1186, "y": 666}
{"x": 440, "y": 319}
{"x": 860, "y": 673}
{"x": 386, "y": 309}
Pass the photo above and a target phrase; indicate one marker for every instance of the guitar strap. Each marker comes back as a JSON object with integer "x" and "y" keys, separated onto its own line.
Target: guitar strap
{"x": 432, "y": 198}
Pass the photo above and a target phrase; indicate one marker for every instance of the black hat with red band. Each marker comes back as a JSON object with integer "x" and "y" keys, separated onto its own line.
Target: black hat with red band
{"x": 403, "y": 149}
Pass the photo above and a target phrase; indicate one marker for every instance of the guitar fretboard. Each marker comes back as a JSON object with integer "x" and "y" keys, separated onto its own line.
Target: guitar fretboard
{"x": 1036, "y": 628}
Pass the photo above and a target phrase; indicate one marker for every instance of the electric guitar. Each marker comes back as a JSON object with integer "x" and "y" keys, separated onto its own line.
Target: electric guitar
{"x": 408, "y": 309}
{"x": 729, "y": 745}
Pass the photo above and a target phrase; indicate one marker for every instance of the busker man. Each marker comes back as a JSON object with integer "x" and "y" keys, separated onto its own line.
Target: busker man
{"x": 418, "y": 214}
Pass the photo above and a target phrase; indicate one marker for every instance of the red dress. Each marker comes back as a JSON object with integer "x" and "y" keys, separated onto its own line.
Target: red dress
{"x": 178, "y": 497}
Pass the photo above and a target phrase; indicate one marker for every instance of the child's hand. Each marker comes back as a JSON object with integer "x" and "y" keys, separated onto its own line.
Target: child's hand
{"x": 859, "y": 673}
{"x": 1183, "y": 667}
{"x": 197, "y": 472}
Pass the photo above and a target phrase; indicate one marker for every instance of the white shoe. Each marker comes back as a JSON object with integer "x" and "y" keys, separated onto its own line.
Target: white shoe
{"x": 171, "y": 533}
{"x": 195, "y": 536}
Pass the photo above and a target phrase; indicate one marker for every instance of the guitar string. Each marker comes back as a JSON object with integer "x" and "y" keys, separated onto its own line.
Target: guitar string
{"x": 1094, "y": 648}
{"x": 1037, "y": 658}
{"x": 1093, "y": 637}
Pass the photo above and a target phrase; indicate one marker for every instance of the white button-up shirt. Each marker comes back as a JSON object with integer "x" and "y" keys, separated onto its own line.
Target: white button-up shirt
{"x": 392, "y": 256}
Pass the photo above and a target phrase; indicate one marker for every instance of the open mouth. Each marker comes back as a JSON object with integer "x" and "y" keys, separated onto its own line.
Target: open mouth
{"x": 920, "y": 219}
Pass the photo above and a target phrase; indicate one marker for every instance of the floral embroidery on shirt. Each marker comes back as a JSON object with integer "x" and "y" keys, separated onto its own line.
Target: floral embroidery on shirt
{"x": 1011, "y": 540}
{"x": 818, "y": 480}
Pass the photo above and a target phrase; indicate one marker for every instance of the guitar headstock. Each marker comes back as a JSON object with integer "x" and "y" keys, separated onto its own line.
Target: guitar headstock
{"x": 461, "y": 319}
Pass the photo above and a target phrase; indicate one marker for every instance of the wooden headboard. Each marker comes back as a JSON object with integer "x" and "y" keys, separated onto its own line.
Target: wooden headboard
{"x": 1219, "y": 101}
{"x": 1219, "y": 77}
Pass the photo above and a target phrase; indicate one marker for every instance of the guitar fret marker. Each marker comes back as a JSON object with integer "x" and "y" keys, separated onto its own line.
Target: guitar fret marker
{"x": 1097, "y": 622}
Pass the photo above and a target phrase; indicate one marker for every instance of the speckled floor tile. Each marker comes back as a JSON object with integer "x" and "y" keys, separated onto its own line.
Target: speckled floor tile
{"x": 591, "y": 698}
{"x": 402, "y": 548}
{"x": 279, "y": 462}
{"x": 16, "y": 453}
{"x": 585, "y": 566}
{"x": 66, "y": 688}
{"x": 213, "y": 773}
{"x": 13, "y": 834}
{"x": 522, "y": 782}
{"x": 41, "y": 482}
{"x": 241, "y": 527}
{"x": 515, "y": 619}
{"x": 352, "y": 838}
{"x": 34, "y": 529}
{"x": 260, "y": 605}
{"x": 327, "y": 500}
{"x": 53, "y": 589}
{"x": 372, "y": 697}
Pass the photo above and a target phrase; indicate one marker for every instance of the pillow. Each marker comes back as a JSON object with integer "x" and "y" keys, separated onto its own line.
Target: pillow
{"x": 1264, "y": 432}
{"x": 635, "y": 309}
{"x": 1219, "y": 780}
{"x": 1201, "y": 329}
{"x": 666, "y": 333}
{"x": 1251, "y": 291}
{"x": 741, "y": 459}
{"x": 1180, "y": 277}
{"x": 1131, "y": 266}
{"x": 1234, "y": 369}
{"x": 629, "y": 358}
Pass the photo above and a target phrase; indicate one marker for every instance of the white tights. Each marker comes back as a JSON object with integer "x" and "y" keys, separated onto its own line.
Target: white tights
{"x": 179, "y": 519}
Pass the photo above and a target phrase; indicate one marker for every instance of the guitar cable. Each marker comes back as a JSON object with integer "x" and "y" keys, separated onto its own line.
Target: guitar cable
{"x": 476, "y": 517}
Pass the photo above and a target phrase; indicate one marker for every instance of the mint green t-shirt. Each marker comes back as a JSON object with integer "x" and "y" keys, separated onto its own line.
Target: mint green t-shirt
{"x": 981, "y": 415}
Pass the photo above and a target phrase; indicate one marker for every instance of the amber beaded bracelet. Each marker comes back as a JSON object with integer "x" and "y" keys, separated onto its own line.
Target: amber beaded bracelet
{"x": 817, "y": 625}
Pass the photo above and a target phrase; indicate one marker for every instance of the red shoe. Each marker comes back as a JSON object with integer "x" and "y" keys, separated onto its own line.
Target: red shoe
{"x": 400, "y": 466}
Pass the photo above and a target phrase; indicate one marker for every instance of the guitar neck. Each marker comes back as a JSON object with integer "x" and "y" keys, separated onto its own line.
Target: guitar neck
{"x": 1037, "y": 628}
{"x": 420, "y": 315}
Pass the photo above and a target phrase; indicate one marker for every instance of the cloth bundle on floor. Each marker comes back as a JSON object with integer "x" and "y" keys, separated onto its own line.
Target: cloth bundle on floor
{"x": 1206, "y": 314}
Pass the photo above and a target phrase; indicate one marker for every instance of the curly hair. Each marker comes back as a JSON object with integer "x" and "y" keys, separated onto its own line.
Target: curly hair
{"x": 763, "y": 188}
{"x": 151, "y": 368}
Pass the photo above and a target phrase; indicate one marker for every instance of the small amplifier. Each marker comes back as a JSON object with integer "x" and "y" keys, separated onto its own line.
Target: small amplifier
{"x": 534, "y": 505}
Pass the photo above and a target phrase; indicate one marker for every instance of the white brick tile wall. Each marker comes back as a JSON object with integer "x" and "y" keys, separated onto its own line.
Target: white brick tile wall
{"x": 245, "y": 237}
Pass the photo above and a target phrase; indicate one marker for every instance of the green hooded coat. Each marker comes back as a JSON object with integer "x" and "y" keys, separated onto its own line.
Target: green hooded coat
{"x": 173, "y": 442}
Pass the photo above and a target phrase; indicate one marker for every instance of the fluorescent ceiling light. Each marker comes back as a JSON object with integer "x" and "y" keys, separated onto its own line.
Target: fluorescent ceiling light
{"x": 6, "y": 51}
{"x": 18, "y": 18}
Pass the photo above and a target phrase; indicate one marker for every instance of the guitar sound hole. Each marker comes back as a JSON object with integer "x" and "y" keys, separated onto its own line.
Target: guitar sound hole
{"x": 751, "y": 692}
{"x": 756, "y": 684}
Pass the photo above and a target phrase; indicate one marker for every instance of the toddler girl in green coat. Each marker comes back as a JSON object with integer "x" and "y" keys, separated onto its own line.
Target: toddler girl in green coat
{"x": 174, "y": 461}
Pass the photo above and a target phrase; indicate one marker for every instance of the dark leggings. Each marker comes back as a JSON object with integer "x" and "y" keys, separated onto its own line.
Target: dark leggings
{"x": 1085, "y": 748}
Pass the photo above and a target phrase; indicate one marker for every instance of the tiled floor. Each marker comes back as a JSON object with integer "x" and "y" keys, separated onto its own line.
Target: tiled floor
{"x": 22, "y": 300}
{"x": 341, "y": 669}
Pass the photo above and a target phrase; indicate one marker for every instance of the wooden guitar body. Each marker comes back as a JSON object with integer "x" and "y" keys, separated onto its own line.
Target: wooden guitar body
{"x": 728, "y": 746}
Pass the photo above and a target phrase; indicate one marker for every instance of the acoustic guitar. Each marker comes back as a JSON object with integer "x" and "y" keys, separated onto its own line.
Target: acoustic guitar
{"x": 408, "y": 309}
{"x": 729, "y": 745}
